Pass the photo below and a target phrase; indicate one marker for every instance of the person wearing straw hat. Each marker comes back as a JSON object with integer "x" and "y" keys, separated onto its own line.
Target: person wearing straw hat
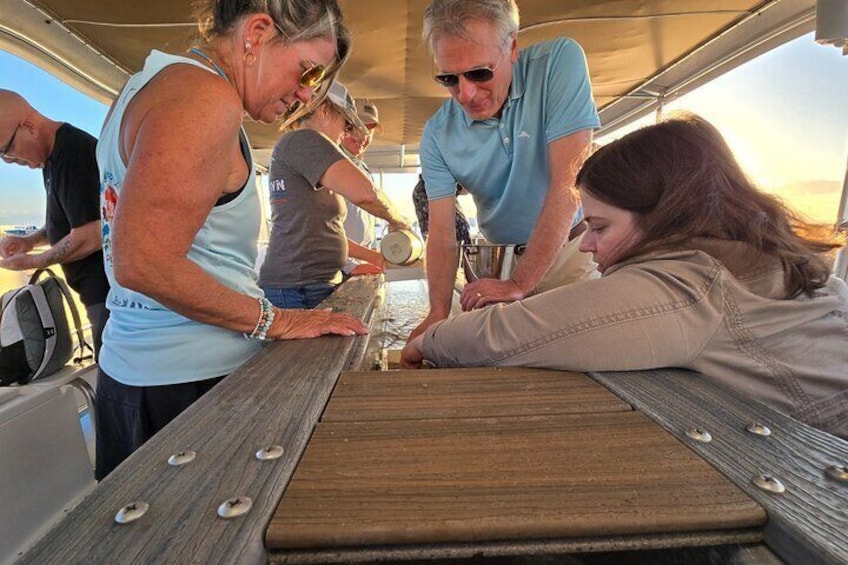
{"x": 309, "y": 179}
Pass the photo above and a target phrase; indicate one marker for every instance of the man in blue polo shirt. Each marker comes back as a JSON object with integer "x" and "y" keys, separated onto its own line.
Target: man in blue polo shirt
{"x": 514, "y": 133}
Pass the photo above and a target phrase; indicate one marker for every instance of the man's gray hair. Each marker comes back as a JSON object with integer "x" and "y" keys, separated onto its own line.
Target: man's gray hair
{"x": 451, "y": 18}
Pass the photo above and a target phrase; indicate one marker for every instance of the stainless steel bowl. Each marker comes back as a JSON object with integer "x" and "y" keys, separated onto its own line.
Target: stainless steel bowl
{"x": 489, "y": 260}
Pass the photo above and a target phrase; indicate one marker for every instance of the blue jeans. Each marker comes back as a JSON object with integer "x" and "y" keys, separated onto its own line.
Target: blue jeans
{"x": 304, "y": 297}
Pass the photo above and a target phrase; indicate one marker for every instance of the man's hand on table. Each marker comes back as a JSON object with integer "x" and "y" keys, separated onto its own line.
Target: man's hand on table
{"x": 483, "y": 292}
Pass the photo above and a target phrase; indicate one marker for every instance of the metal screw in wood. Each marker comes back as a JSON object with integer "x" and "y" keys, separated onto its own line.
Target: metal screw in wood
{"x": 768, "y": 483}
{"x": 235, "y": 507}
{"x": 181, "y": 458}
{"x": 270, "y": 453}
{"x": 838, "y": 472}
{"x": 699, "y": 435}
{"x": 131, "y": 512}
{"x": 758, "y": 429}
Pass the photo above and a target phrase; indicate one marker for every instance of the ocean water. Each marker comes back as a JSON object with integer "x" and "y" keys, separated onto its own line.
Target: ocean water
{"x": 14, "y": 279}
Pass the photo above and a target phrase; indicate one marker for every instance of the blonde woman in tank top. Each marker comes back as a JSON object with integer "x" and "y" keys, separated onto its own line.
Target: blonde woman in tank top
{"x": 181, "y": 215}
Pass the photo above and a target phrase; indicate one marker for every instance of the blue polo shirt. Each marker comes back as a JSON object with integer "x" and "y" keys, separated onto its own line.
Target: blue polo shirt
{"x": 503, "y": 162}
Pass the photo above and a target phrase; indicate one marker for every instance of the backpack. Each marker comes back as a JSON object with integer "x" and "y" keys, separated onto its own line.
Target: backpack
{"x": 35, "y": 338}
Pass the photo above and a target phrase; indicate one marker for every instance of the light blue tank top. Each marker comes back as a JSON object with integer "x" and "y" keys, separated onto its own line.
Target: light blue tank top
{"x": 144, "y": 343}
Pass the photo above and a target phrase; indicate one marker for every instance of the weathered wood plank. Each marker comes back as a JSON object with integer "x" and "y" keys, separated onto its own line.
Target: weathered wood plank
{"x": 807, "y": 523}
{"x": 466, "y": 393}
{"x": 701, "y": 548}
{"x": 489, "y": 480}
{"x": 275, "y": 398}
{"x": 366, "y": 354}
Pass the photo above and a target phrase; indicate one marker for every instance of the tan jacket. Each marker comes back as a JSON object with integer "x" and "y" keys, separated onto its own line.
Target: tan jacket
{"x": 717, "y": 309}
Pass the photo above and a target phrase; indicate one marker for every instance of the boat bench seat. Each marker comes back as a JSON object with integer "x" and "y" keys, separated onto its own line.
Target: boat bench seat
{"x": 45, "y": 469}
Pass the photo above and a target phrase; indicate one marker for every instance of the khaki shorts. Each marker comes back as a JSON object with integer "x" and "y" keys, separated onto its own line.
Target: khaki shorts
{"x": 570, "y": 266}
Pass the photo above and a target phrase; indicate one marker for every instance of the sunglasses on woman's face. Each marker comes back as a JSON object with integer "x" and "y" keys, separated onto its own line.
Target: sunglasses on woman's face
{"x": 349, "y": 127}
{"x": 313, "y": 75}
{"x": 480, "y": 74}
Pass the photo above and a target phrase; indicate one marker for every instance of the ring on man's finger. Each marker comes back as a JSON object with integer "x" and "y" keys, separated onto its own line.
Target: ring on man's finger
{"x": 479, "y": 294}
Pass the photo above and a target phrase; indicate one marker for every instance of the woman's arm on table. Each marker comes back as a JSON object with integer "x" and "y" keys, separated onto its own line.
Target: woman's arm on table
{"x": 639, "y": 317}
{"x": 175, "y": 175}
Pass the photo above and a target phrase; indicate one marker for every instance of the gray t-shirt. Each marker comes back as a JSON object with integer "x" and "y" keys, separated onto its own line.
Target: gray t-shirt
{"x": 308, "y": 243}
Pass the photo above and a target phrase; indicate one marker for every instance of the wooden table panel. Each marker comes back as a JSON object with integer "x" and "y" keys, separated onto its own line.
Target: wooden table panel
{"x": 489, "y": 479}
{"x": 808, "y": 522}
{"x": 466, "y": 393}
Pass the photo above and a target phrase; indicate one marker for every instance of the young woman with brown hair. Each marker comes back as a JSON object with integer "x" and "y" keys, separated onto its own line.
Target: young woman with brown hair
{"x": 700, "y": 270}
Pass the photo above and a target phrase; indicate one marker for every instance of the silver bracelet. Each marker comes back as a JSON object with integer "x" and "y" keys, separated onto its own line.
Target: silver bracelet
{"x": 266, "y": 319}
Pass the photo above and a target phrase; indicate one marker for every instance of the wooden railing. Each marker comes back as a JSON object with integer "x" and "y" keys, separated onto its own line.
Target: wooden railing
{"x": 275, "y": 399}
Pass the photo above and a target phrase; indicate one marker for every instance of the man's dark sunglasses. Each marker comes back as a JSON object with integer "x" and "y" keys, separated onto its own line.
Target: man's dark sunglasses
{"x": 481, "y": 74}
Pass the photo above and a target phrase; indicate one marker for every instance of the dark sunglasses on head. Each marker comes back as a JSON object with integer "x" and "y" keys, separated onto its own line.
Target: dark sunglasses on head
{"x": 481, "y": 74}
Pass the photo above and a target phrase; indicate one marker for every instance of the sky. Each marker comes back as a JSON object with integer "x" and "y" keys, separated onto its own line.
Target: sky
{"x": 21, "y": 189}
{"x": 785, "y": 115}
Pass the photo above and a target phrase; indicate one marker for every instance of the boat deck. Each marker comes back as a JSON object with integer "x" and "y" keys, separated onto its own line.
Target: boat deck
{"x": 284, "y": 397}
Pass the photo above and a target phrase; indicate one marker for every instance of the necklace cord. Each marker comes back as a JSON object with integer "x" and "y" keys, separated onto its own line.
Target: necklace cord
{"x": 209, "y": 60}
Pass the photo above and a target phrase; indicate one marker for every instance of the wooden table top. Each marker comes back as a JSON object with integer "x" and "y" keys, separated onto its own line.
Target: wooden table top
{"x": 407, "y": 464}
{"x": 465, "y": 393}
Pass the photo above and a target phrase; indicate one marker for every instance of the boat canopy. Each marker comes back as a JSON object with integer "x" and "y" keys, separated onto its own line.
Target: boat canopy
{"x": 641, "y": 53}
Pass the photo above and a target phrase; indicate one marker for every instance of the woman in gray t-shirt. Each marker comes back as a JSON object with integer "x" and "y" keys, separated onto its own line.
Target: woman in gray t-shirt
{"x": 309, "y": 179}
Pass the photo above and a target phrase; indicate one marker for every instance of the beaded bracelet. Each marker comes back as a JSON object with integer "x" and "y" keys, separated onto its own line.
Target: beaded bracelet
{"x": 263, "y": 324}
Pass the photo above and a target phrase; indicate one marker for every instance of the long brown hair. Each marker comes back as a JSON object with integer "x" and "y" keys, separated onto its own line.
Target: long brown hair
{"x": 681, "y": 181}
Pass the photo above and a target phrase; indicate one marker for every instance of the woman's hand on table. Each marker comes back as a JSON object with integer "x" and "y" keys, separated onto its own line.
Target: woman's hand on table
{"x": 411, "y": 356}
{"x": 483, "y": 292}
{"x": 301, "y": 324}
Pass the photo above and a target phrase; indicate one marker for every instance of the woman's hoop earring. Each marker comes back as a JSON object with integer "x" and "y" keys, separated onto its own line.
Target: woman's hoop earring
{"x": 249, "y": 58}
